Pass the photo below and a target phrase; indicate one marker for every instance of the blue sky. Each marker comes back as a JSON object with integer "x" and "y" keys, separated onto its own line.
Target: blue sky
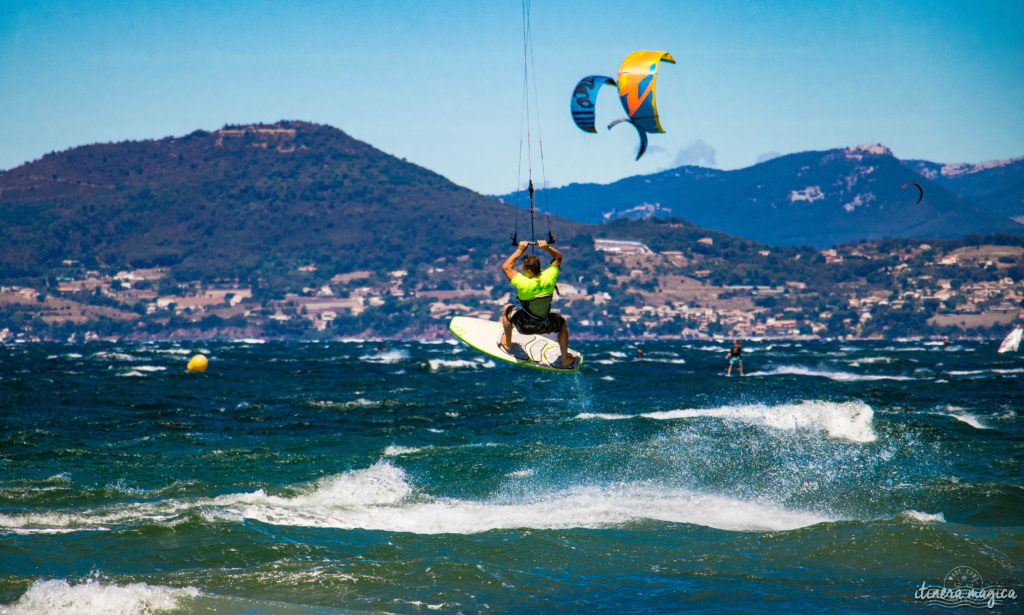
{"x": 440, "y": 83}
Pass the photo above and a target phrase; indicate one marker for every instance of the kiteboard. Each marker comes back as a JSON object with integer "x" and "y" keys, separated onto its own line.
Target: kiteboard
{"x": 534, "y": 351}
{"x": 1012, "y": 340}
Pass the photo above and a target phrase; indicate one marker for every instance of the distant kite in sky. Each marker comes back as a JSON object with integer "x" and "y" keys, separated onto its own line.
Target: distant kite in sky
{"x": 638, "y": 77}
{"x": 920, "y": 190}
{"x": 584, "y": 99}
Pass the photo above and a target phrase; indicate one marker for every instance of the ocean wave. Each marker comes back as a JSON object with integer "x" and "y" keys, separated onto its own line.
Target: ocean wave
{"x": 359, "y": 402}
{"x": 166, "y": 512}
{"x": 441, "y": 364}
{"x": 394, "y": 450}
{"x": 922, "y": 517}
{"x": 381, "y": 498}
{"x": 173, "y": 350}
{"x": 963, "y": 416}
{"x": 872, "y": 360}
{"x": 95, "y": 597}
{"x": 850, "y": 420}
{"x": 387, "y": 357}
{"x": 982, "y": 372}
{"x": 797, "y": 370}
{"x": 116, "y": 356}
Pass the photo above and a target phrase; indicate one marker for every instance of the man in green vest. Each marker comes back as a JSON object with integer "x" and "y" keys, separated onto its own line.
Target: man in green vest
{"x": 535, "y": 289}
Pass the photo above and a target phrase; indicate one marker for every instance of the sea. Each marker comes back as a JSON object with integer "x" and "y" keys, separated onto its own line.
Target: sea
{"x": 358, "y": 477}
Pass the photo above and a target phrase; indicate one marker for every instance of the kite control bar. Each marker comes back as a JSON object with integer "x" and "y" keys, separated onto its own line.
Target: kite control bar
{"x": 531, "y": 243}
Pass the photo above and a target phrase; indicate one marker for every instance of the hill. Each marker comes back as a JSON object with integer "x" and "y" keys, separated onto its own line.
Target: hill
{"x": 237, "y": 201}
{"x": 814, "y": 198}
{"x": 997, "y": 185}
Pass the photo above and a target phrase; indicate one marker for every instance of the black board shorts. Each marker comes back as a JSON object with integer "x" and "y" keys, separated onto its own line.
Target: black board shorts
{"x": 528, "y": 325}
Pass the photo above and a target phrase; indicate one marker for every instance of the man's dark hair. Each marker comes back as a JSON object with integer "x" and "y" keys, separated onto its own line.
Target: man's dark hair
{"x": 532, "y": 264}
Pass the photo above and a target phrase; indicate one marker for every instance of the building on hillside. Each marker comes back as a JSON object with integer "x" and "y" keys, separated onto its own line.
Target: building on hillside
{"x": 621, "y": 246}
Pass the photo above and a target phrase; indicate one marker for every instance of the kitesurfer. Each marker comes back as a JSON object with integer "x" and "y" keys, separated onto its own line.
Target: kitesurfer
{"x": 535, "y": 289}
{"x": 734, "y": 355}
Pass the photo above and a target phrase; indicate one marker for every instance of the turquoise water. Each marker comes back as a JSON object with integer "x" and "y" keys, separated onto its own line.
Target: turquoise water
{"x": 337, "y": 478}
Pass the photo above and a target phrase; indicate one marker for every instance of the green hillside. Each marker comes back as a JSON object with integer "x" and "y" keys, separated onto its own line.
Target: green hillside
{"x": 237, "y": 201}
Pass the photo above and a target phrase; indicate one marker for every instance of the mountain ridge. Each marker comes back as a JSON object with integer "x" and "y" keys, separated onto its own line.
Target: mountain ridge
{"x": 820, "y": 198}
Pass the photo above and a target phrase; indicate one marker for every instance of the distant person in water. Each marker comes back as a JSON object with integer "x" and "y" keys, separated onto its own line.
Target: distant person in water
{"x": 734, "y": 357}
{"x": 639, "y": 353}
{"x": 535, "y": 290}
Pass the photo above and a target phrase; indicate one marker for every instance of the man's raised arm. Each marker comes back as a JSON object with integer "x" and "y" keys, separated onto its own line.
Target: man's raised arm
{"x": 556, "y": 256}
{"x": 509, "y": 266}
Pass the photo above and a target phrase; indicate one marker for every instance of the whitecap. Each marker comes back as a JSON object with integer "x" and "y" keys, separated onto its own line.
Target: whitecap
{"x": 797, "y": 370}
{"x": 387, "y": 357}
{"x": 980, "y": 372}
{"x": 850, "y": 420}
{"x": 440, "y": 364}
{"x": 95, "y": 597}
{"x": 603, "y": 415}
{"x": 958, "y": 413}
{"x": 394, "y": 450}
{"x": 381, "y": 498}
{"x": 923, "y": 517}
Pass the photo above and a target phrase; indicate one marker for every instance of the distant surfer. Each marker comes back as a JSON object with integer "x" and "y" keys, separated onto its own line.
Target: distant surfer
{"x": 734, "y": 356}
{"x": 639, "y": 353}
{"x": 535, "y": 290}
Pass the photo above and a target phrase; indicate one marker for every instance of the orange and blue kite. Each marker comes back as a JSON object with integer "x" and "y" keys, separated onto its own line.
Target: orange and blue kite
{"x": 638, "y": 77}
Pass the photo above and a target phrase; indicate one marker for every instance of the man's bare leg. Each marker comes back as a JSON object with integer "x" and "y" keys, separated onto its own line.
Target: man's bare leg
{"x": 506, "y": 337}
{"x": 563, "y": 344}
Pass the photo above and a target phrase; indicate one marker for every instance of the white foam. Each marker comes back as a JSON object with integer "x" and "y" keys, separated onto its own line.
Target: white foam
{"x": 923, "y": 517}
{"x": 603, "y": 415}
{"x": 978, "y": 372}
{"x": 172, "y": 351}
{"x": 56, "y": 596}
{"x": 608, "y": 378}
{"x": 395, "y": 451}
{"x": 796, "y": 370}
{"x": 93, "y": 520}
{"x": 387, "y": 357}
{"x": 117, "y": 356}
{"x": 380, "y": 498}
{"x": 616, "y": 353}
{"x": 870, "y": 360}
{"x": 850, "y": 420}
{"x": 970, "y": 419}
{"x": 439, "y": 364}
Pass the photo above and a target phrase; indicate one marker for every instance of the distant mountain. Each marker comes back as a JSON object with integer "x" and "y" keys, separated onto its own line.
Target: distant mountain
{"x": 996, "y": 185}
{"x": 814, "y": 198}
{"x": 237, "y": 200}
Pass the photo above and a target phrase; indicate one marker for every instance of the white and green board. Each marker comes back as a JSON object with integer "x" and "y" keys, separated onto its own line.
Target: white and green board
{"x": 534, "y": 351}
